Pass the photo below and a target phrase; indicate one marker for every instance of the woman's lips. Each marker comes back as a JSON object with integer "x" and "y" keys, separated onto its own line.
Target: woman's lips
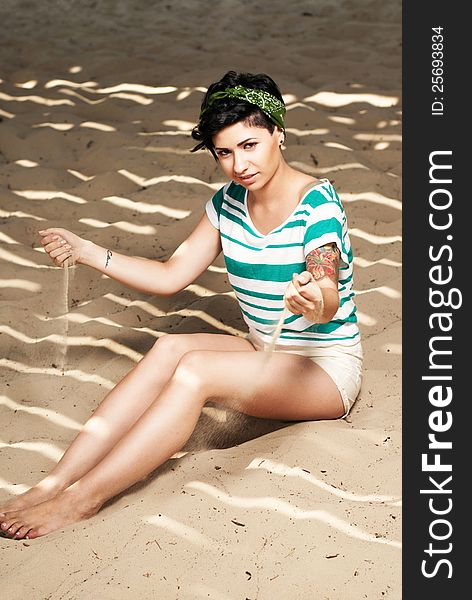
{"x": 248, "y": 178}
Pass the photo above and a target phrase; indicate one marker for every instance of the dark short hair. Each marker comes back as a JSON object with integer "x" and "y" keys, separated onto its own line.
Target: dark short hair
{"x": 227, "y": 111}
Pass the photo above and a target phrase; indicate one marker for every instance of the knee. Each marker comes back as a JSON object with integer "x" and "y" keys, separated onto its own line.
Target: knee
{"x": 190, "y": 371}
{"x": 171, "y": 346}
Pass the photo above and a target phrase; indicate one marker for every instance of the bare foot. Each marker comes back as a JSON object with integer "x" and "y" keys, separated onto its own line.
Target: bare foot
{"x": 43, "y": 491}
{"x": 41, "y": 519}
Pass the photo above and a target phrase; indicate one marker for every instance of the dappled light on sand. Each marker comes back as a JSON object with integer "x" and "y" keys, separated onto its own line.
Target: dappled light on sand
{"x": 35, "y": 100}
{"x": 76, "y": 374}
{"x": 13, "y": 258}
{"x": 374, "y": 197}
{"x": 180, "y": 125}
{"x": 184, "y": 532}
{"x": 186, "y": 91}
{"x": 327, "y": 170}
{"x": 146, "y": 208}
{"x": 56, "y": 126}
{"x": 21, "y": 215}
{"x": 123, "y": 226}
{"x": 164, "y": 179}
{"x": 335, "y": 99}
{"x": 6, "y": 114}
{"x": 383, "y": 289}
{"x": 366, "y": 320}
{"x": 362, "y": 262}
{"x": 136, "y": 87}
{"x": 21, "y": 284}
{"x": 61, "y": 340}
{"x": 45, "y": 413}
{"x": 44, "y": 448}
{"x": 27, "y": 85}
{"x": 284, "y": 470}
{"x": 80, "y": 175}
{"x": 150, "y": 309}
{"x": 12, "y": 488}
{"x": 375, "y": 239}
{"x": 97, "y": 126}
{"x": 337, "y": 146}
{"x": 96, "y": 109}
{"x": 47, "y": 195}
{"x": 26, "y": 163}
{"x": 305, "y": 132}
{"x": 7, "y": 239}
{"x": 287, "y": 509}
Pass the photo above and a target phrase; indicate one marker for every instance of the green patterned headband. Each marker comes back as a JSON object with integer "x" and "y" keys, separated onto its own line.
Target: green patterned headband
{"x": 269, "y": 104}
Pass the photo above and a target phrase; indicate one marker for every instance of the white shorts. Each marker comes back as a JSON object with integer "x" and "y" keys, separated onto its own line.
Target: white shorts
{"x": 342, "y": 363}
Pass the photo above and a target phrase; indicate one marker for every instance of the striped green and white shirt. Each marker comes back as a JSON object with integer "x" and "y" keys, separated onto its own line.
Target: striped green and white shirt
{"x": 260, "y": 267}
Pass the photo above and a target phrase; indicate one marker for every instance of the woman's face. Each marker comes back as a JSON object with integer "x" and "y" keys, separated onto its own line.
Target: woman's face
{"x": 248, "y": 155}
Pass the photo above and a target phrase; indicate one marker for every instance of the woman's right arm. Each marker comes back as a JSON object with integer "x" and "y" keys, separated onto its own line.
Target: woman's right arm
{"x": 190, "y": 259}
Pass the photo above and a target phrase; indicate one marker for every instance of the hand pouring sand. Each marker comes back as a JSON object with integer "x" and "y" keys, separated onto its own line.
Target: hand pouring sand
{"x": 285, "y": 312}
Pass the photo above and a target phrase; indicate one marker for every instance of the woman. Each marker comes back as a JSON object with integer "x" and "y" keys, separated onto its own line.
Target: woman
{"x": 286, "y": 247}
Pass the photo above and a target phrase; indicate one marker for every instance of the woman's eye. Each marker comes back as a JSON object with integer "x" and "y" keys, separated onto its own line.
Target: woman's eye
{"x": 250, "y": 145}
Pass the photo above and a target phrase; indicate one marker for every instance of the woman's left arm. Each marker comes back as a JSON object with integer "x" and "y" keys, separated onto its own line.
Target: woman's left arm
{"x": 314, "y": 292}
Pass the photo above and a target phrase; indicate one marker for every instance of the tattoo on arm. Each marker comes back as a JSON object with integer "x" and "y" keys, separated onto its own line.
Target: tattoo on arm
{"x": 324, "y": 262}
{"x": 109, "y": 255}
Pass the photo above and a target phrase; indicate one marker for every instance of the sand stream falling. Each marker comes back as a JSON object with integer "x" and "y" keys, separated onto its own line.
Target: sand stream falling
{"x": 285, "y": 313}
{"x": 278, "y": 329}
{"x": 67, "y": 278}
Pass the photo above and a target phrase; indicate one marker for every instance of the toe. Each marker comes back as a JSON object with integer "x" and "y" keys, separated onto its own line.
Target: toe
{"x": 34, "y": 533}
{"x": 22, "y": 532}
{"x": 13, "y": 529}
{"x": 6, "y": 524}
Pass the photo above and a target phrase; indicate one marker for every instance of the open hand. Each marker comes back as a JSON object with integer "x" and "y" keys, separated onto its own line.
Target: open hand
{"x": 63, "y": 246}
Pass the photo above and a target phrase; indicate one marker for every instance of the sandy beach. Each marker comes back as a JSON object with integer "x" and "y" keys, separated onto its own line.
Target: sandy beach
{"x": 97, "y": 100}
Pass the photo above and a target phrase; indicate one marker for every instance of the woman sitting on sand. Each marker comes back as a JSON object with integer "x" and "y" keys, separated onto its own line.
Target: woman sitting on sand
{"x": 287, "y": 251}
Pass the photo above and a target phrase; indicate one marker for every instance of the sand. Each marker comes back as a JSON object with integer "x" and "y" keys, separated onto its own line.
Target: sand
{"x": 96, "y": 102}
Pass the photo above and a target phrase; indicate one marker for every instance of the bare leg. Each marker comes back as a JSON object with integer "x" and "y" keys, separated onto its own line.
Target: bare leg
{"x": 120, "y": 409}
{"x": 280, "y": 386}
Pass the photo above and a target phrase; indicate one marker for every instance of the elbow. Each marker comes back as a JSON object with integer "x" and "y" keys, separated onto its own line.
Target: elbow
{"x": 166, "y": 290}
{"x": 167, "y": 284}
{"x": 327, "y": 317}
